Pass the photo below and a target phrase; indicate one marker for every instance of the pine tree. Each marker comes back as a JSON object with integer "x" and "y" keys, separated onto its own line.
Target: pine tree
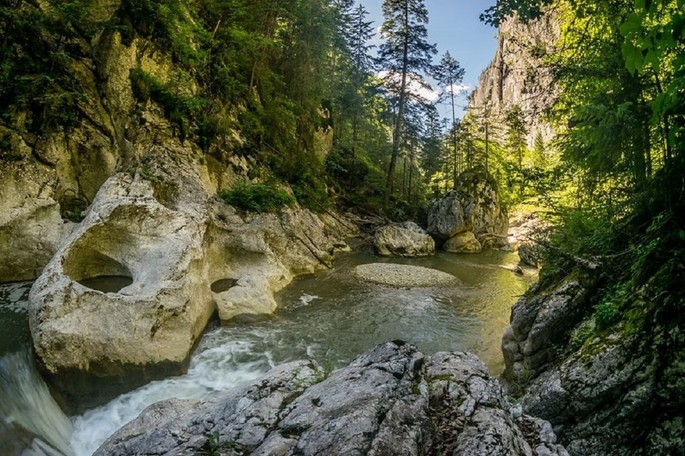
{"x": 449, "y": 73}
{"x": 405, "y": 54}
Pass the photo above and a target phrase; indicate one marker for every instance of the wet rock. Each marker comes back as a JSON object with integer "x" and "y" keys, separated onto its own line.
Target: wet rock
{"x": 390, "y": 400}
{"x": 529, "y": 253}
{"x": 473, "y": 207}
{"x": 465, "y": 242}
{"x": 403, "y": 239}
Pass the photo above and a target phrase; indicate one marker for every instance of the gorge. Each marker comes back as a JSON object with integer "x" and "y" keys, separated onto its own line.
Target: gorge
{"x": 211, "y": 232}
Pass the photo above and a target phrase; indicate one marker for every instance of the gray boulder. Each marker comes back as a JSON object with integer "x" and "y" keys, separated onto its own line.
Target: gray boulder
{"x": 473, "y": 207}
{"x": 392, "y": 400}
{"x": 403, "y": 239}
{"x": 540, "y": 321}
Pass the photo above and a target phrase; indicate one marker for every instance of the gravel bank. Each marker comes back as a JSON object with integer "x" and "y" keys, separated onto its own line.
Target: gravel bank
{"x": 405, "y": 276}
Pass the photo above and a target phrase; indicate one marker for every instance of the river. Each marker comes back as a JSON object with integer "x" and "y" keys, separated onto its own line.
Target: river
{"x": 331, "y": 317}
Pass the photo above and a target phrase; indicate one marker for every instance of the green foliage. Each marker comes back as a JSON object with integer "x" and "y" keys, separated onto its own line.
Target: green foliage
{"x": 215, "y": 447}
{"x": 40, "y": 46}
{"x": 257, "y": 197}
{"x": 605, "y": 315}
{"x": 180, "y": 107}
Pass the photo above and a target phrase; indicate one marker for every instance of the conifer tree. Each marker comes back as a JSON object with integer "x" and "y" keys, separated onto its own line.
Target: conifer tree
{"x": 405, "y": 54}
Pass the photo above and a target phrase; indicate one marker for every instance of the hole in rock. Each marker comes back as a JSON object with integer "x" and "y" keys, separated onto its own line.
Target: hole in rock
{"x": 223, "y": 285}
{"x": 97, "y": 271}
{"x": 107, "y": 284}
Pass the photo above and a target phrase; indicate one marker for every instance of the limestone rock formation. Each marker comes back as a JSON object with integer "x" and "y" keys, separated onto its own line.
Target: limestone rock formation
{"x": 540, "y": 320}
{"x": 519, "y": 76}
{"x": 465, "y": 242}
{"x": 130, "y": 291}
{"x": 390, "y": 400}
{"x": 609, "y": 392}
{"x": 31, "y": 226}
{"x": 403, "y": 239}
{"x": 474, "y": 207}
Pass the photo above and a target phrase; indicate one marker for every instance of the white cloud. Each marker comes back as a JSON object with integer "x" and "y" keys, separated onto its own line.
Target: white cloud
{"x": 416, "y": 85}
{"x": 458, "y": 89}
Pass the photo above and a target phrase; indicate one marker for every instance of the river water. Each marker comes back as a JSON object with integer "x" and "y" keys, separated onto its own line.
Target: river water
{"x": 331, "y": 317}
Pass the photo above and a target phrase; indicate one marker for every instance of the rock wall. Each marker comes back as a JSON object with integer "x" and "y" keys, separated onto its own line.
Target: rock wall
{"x": 48, "y": 179}
{"x": 390, "y": 400}
{"x": 608, "y": 392}
{"x": 518, "y": 76}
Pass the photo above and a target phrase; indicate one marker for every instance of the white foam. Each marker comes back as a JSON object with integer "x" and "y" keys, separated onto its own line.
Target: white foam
{"x": 221, "y": 363}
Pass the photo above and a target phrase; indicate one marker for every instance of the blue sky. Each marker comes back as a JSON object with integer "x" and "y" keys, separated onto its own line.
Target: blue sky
{"x": 454, "y": 26}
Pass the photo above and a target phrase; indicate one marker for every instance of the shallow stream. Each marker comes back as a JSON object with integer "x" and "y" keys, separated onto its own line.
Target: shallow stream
{"x": 331, "y": 317}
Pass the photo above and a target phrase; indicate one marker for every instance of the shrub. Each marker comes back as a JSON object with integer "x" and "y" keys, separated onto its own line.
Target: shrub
{"x": 606, "y": 314}
{"x": 257, "y": 197}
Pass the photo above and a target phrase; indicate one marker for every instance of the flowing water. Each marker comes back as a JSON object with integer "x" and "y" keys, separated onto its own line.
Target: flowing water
{"x": 331, "y": 317}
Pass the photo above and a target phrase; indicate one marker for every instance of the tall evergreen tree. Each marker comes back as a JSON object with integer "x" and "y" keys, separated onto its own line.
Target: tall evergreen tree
{"x": 449, "y": 73}
{"x": 405, "y": 53}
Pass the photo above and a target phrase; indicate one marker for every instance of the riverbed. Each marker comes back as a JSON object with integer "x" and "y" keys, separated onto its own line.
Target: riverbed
{"x": 331, "y": 317}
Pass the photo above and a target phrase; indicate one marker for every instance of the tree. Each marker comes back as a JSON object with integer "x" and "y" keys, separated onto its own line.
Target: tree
{"x": 516, "y": 141}
{"x": 406, "y": 53}
{"x": 449, "y": 73}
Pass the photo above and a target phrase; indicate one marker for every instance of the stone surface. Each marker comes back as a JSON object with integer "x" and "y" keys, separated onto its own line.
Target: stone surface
{"x": 530, "y": 253}
{"x": 474, "y": 207}
{"x": 390, "y": 400}
{"x": 404, "y": 240}
{"x": 31, "y": 226}
{"x": 465, "y": 242}
{"x": 539, "y": 320}
{"x": 167, "y": 241}
{"x": 402, "y": 275}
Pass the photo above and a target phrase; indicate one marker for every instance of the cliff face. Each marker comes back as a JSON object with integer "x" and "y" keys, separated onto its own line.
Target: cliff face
{"x": 517, "y": 76}
{"x": 49, "y": 176}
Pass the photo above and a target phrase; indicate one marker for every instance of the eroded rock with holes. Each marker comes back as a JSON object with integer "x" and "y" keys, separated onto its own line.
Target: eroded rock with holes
{"x": 403, "y": 239}
{"x": 126, "y": 292}
{"x": 390, "y": 400}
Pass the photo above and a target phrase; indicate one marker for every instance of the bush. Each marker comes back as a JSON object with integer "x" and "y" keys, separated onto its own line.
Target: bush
{"x": 606, "y": 314}
{"x": 257, "y": 197}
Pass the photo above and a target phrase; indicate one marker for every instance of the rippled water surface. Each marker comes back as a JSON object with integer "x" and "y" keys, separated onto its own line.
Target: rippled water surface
{"x": 331, "y": 317}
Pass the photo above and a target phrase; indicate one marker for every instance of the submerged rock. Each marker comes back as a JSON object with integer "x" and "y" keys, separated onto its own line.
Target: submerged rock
{"x": 402, "y": 275}
{"x": 474, "y": 207}
{"x": 404, "y": 240}
{"x": 390, "y": 400}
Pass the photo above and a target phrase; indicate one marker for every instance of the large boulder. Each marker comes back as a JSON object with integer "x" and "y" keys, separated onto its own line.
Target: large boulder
{"x": 128, "y": 294}
{"x": 403, "y": 239}
{"x": 465, "y": 242}
{"x": 474, "y": 207}
{"x": 390, "y": 400}
{"x": 126, "y": 291}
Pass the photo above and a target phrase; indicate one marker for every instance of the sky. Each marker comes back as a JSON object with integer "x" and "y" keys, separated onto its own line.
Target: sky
{"x": 454, "y": 26}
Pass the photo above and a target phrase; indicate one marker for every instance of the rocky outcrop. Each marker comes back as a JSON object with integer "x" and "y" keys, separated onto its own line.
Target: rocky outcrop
{"x": 404, "y": 240}
{"x": 540, "y": 321}
{"x": 390, "y": 400}
{"x": 607, "y": 391}
{"x": 519, "y": 76}
{"x": 130, "y": 291}
{"x": 474, "y": 207}
{"x": 31, "y": 226}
